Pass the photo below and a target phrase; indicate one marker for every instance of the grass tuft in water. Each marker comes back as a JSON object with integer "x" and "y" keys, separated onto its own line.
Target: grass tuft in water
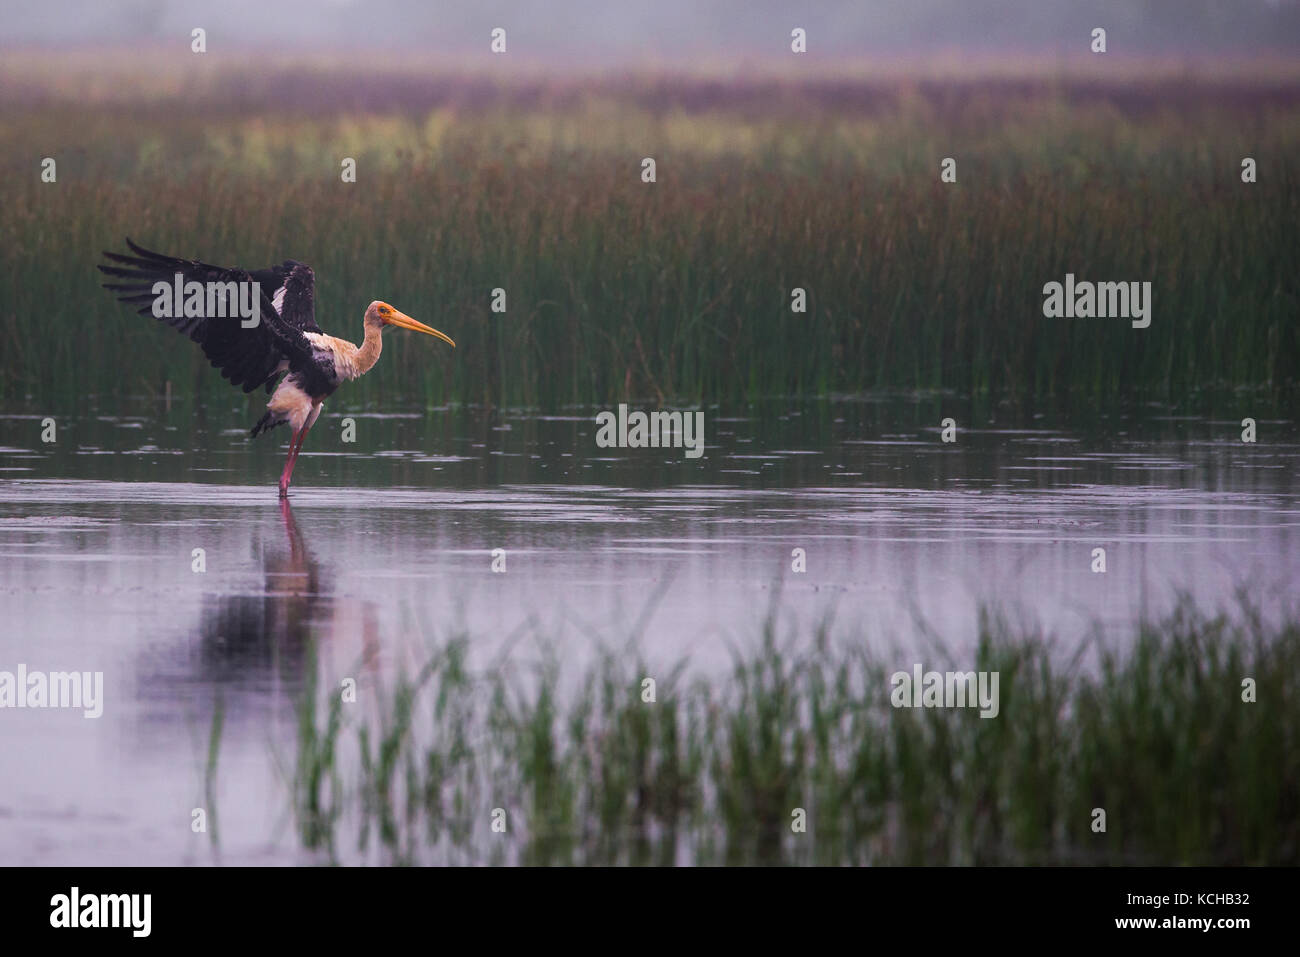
{"x": 582, "y": 770}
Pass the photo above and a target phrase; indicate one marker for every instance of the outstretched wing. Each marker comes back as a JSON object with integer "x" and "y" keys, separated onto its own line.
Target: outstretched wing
{"x": 247, "y": 356}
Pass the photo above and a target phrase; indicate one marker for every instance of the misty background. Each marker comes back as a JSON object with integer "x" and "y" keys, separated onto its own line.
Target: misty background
{"x": 597, "y": 30}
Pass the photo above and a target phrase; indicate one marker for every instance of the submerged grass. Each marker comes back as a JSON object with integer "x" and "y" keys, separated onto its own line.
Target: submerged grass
{"x": 678, "y": 290}
{"x": 210, "y": 768}
{"x": 581, "y": 769}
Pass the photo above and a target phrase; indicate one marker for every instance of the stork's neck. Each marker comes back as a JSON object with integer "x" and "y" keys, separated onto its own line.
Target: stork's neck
{"x": 368, "y": 354}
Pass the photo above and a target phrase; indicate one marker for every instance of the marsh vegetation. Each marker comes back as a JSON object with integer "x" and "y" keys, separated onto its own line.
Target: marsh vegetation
{"x": 679, "y": 290}
{"x": 581, "y": 768}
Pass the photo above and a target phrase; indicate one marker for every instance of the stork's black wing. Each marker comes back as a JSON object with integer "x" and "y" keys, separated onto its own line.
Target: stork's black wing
{"x": 247, "y": 356}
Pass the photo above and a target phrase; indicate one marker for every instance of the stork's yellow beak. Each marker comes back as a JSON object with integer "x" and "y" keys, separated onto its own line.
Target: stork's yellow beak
{"x": 401, "y": 319}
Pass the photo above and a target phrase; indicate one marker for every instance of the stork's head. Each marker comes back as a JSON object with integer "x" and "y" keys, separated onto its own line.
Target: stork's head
{"x": 381, "y": 314}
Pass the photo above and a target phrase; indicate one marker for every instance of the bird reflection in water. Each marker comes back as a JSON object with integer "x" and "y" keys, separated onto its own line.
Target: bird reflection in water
{"x": 265, "y": 637}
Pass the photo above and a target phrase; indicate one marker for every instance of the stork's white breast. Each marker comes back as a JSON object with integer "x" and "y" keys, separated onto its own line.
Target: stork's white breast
{"x": 341, "y": 354}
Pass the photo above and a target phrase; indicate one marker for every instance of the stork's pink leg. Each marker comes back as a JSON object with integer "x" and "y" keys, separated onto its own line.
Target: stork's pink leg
{"x": 295, "y": 446}
{"x": 288, "y": 469}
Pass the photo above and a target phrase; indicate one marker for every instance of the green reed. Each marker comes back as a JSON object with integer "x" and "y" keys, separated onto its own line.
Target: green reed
{"x": 1152, "y": 729}
{"x": 680, "y": 290}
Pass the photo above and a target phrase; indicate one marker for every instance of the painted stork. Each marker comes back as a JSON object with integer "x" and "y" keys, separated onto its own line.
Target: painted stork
{"x": 284, "y": 350}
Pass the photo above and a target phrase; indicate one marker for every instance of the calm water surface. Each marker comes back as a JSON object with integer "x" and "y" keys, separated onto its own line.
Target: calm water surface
{"x": 388, "y": 545}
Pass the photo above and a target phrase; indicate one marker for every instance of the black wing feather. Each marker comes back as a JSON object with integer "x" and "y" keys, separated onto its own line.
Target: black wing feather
{"x": 248, "y": 357}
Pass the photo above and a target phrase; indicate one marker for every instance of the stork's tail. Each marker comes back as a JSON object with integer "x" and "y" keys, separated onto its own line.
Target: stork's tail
{"x": 267, "y": 422}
